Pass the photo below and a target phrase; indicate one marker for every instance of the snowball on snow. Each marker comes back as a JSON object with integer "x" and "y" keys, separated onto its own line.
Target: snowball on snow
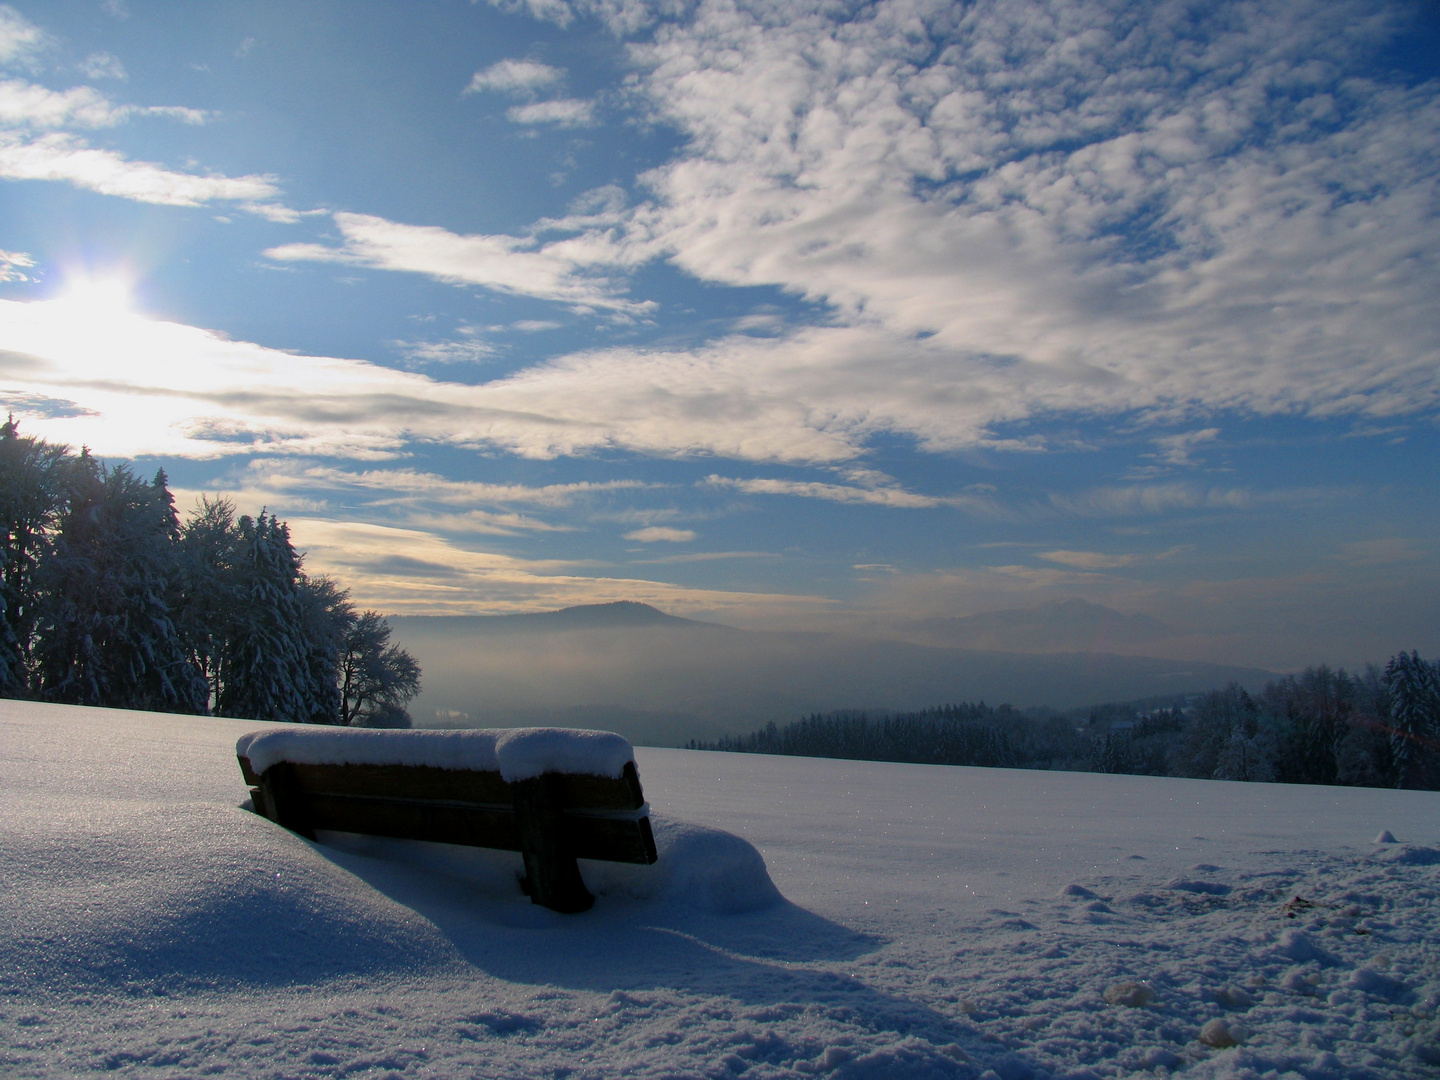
{"x": 516, "y": 753}
{"x": 1222, "y": 1034}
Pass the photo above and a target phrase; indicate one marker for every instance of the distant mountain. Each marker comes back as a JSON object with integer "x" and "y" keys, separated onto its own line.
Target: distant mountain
{"x": 662, "y": 680}
{"x": 622, "y": 614}
{"x": 1066, "y": 626}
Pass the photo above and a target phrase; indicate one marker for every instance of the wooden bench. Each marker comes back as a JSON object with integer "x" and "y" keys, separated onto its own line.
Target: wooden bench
{"x": 395, "y": 784}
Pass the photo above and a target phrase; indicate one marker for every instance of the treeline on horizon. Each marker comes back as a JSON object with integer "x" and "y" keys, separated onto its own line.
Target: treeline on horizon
{"x": 107, "y": 598}
{"x": 1380, "y": 728}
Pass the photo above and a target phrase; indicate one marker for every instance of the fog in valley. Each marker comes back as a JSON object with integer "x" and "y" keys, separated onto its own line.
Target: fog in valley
{"x": 661, "y": 680}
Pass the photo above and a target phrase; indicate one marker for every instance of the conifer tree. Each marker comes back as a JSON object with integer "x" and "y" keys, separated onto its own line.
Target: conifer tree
{"x": 327, "y": 617}
{"x": 263, "y": 669}
{"x": 1413, "y": 686}
{"x": 32, "y": 491}
{"x": 208, "y": 587}
{"x": 104, "y": 635}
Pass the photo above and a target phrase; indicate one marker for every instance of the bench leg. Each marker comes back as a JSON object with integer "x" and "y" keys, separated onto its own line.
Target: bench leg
{"x": 284, "y": 802}
{"x": 552, "y": 877}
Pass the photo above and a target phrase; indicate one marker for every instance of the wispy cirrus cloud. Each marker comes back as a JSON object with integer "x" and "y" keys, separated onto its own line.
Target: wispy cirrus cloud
{"x": 35, "y": 145}
{"x": 841, "y": 493}
{"x": 393, "y": 485}
{"x": 1179, "y": 449}
{"x": 38, "y": 139}
{"x": 1089, "y": 560}
{"x": 26, "y": 105}
{"x": 562, "y": 112}
{"x": 62, "y": 157}
{"x": 1165, "y": 498}
{"x": 654, "y": 534}
{"x": 571, "y": 270}
{"x": 13, "y": 265}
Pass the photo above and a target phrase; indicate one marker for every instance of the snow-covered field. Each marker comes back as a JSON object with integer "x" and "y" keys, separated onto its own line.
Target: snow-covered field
{"x": 935, "y": 922}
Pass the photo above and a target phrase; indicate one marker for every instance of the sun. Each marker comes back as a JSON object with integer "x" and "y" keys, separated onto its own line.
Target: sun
{"x": 105, "y": 296}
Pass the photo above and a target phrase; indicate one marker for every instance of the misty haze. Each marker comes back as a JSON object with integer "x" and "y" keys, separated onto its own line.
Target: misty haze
{"x": 662, "y": 680}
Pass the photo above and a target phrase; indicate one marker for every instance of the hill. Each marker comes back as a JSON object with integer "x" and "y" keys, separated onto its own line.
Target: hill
{"x": 950, "y": 923}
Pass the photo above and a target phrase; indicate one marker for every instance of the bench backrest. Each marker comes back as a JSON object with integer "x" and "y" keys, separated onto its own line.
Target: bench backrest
{"x": 602, "y": 817}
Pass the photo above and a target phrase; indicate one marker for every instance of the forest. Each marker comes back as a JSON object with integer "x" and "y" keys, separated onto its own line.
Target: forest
{"x": 1380, "y": 728}
{"x": 108, "y": 598}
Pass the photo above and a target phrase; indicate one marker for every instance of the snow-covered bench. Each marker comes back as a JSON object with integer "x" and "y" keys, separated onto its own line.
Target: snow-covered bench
{"x": 552, "y": 794}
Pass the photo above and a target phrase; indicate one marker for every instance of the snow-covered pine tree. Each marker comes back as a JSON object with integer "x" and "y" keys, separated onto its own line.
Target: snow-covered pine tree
{"x": 1413, "y": 687}
{"x": 32, "y": 494}
{"x": 1217, "y": 717}
{"x": 207, "y": 555}
{"x": 1364, "y": 758}
{"x": 1309, "y": 719}
{"x": 263, "y": 672}
{"x": 327, "y": 620}
{"x": 12, "y": 666}
{"x": 104, "y": 634}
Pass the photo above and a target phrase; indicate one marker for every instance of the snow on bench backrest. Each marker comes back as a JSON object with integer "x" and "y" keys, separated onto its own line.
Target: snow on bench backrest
{"x": 515, "y": 753}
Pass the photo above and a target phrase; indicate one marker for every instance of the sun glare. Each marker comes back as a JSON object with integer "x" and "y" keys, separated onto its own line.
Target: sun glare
{"x": 99, "y": 296}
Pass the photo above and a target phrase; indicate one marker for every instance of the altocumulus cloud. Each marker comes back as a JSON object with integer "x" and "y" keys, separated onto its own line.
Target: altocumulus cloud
{"x": 1010, "y": 210}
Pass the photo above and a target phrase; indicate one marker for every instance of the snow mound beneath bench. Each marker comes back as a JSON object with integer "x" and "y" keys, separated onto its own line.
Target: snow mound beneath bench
{"x": 699, "y": 868}
{"x": 515, "y": 753}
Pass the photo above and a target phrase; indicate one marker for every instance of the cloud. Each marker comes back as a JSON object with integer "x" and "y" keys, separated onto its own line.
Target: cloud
{"x": 31, "y": 148}
{"x": 562, "y": 112}
{"x": 515, "y": 76}
{"x": 382, "y": 486}
{"x": 1089, "y": 560}
{"x": 1155, "y": 499}
{"x": 13, "y": 265}
{"x": 563, "y": 270}
{"x": 1056, "y": 193}
{"x": 554, "y": 11}
{"x": 468, "y": 350}
{"x": 661, "y": 533}
{"x": 400, "y": 570}
{"x": 103, "y": 65}
{"x": 399, "y": 498}
{"x": 20, "y": 40}
{"x": 1008, "y": 217}
{"x": 58, "y": 156}
{"x": 1177, "y": 449}
{"x": 276, "y": 212}
{"x": 1386, "y": 551}
{"x": 888, "y": 496}
{"x": 24, "y": 104}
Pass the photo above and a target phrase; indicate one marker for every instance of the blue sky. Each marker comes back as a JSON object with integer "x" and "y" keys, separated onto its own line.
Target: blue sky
{"x": 784, "y": 314}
